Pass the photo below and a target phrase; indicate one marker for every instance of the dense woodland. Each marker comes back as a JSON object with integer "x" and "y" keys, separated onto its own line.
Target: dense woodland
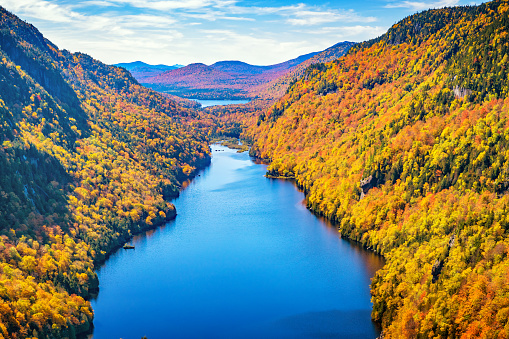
{"x": 404, "y": 144}
{"x": 277, "y": 87}
{"x": 88, "y": 158}
{"x": 231, "y": 120}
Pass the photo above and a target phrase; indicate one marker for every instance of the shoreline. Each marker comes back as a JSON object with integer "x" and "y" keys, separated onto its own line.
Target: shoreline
{"x": 315, "y": 213}
{"x": 203, "y": 165}
{"x": 333, "y": 223}
{"x": 87, "y": 334}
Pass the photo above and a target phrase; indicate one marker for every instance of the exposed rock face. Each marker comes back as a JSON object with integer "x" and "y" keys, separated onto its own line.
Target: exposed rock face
{"x": 439, "y": 263}
{"x": 366, "y": 185}
{"x": 451, "y": 241}
{"x": 461, "y": 92}
{"x": 436, "y": 269}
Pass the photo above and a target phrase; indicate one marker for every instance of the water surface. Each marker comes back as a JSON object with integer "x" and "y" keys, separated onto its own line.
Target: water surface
{"x": 243, "y": 259}
{"x": 207, "y": 103}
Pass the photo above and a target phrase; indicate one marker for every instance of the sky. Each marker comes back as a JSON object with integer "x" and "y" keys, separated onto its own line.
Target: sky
{"x": 260, "y": 32}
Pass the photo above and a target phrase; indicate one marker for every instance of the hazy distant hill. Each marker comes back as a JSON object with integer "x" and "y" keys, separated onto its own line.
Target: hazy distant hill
{"x": 223, "y": 79}
{"x": 141, "y": 70}
{"x": 245, "y": 68}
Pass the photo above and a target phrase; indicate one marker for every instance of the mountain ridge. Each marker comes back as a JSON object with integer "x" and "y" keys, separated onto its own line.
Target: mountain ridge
{"x": 141, "y": 70}
{"x": 223, "y": 79}
{"x": 135, "y": 64}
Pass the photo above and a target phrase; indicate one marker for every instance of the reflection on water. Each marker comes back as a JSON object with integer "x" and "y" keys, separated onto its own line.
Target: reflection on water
{"x": 372, "y": 261}
{"x": 207, "y": 103}
{"x": 243, "y": 259}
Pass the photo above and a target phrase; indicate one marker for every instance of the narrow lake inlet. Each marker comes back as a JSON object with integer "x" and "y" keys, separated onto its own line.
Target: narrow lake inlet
{"x": 243, "y": 259}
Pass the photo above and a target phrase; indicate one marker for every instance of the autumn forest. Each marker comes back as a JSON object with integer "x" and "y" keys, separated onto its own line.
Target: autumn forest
{"x": 401, "y": 142}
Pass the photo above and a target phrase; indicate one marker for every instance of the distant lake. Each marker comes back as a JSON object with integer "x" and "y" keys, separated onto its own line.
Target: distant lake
{"x": 243, "y": 259}
{"x": 207, "y": 103}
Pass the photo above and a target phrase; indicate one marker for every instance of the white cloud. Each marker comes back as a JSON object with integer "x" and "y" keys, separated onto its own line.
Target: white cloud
{"x": 422, "y": 5}
{"x": 215, "y": 15}
{"x": 350, "y": 33}
{"x": 143, "y": 21}
{"x": 305, "y": 15}
{"x": 186, "y": 31}
{"x": 41, "y": 9}
{"x": 168, "y": 5}
{"x": 96, "y": 3}
{"x": 315, "y": 17}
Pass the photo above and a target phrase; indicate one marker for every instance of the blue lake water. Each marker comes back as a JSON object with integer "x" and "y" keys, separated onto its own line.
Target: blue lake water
{"x": 243, "y": 259}
{"x": 207, "y": 103}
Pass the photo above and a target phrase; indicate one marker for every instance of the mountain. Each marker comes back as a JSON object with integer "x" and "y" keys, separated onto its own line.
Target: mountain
{"x": 139, "y": 64}
{"x": 403, "y": 143}
{"x": 224, "y": 79}
{"x": 187, "y": 74}
{"x": 239, "y": 67}
{"x": 88, "y": 158}
{"x": 277, "y": 87}
{"x": 141, "y": 71}
{"x": 231, "y": 120}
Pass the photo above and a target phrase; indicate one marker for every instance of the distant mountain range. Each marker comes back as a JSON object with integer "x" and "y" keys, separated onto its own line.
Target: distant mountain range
{"x": 141, "y": 70}
{"x": 277, "y": 87}
{"x": 239, "y": 67}
{"x": 233, "y": 79}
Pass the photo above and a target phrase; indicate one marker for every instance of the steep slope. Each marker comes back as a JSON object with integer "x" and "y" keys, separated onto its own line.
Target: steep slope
{"x": 277, "y": 88}
{"x": 224, "y": 79}
{"x": 141, "y": 71}
{"x": 88, "y": 157}
{"x": 404, "y": 143}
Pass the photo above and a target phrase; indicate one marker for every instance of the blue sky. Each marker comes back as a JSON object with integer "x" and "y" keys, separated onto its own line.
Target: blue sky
{"x": 185, "y": 31}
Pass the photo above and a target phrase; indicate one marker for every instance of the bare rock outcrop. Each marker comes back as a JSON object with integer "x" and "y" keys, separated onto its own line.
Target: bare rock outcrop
{"x": 366, "y": 185}
{"x": 461, "y": 92}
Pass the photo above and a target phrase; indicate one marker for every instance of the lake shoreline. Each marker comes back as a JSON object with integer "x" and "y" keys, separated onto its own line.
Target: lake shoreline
{"x": 119, "y": 245}
{"x": 148, "y": 244}
{"x": 333, "y": 223}
{"x": 203, "y": 165}
{"x": 315, "y": 213}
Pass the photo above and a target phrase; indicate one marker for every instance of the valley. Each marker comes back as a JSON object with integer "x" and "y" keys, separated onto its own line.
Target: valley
{"x": 236, "y": 79}
{"x": 233, "y": 261}
{"x": 399, "y": 142}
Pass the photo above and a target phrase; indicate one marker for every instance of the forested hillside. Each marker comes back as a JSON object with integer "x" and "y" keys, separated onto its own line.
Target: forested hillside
{"x": 88, "y": 157}
{"x": 231, "y": 120}
{"x": 404, "y": 143}
{"x": 277, "y": 87}
{"x": 236, "y": 79}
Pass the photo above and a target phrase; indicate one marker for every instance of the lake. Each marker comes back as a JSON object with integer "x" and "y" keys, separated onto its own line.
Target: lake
{"x": 243, "y": 259}
{"x": 207, "y": 103}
